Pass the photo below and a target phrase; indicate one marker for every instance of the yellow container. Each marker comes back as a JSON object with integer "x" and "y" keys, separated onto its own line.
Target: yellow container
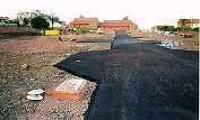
{"x": 52, "y": 32}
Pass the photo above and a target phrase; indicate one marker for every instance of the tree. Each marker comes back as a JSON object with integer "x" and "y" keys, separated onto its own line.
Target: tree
{"x": 52, "y": 19}
{"x": 39, "y": 23}
{"x": 26, "y": 21}
{"x": 25, "y": 17}
{"x": 82, "y": 16}
{"x": 56, "y": 19}
{"x": 195, "y": 29}
{"x": 125, "y": 18}
{"x": 16, "y": 21}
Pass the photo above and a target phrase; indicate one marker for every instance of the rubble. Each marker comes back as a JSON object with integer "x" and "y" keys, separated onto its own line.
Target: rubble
{"x": 24, "y": 66}
{"x": 35, "y": 95}
{"x": 169, "y": 44}
{"x": 183, "y": 43}
{"x": 78, "y": 61}
{"x": 35, "y": 92}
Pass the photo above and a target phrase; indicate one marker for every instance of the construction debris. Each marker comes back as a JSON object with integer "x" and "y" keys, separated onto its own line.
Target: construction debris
{"x": 24, "y": 66}
{"x": 35, "y": 95}
{"x": 35, "y": 92}
{"x": 39, "y": 53}
{"x": 78, "y": 61}
{"x": 68, "y": 54}
{"x": 169, "y": 44}
{"x": 64, "y": 102}
{"x": 72, "y": 89}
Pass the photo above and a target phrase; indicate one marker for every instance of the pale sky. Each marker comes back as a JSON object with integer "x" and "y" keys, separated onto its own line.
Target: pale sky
{"x": 146, "y": 13}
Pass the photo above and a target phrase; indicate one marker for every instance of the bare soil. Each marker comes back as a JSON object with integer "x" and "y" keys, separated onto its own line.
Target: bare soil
{"x": 27, "y": 63}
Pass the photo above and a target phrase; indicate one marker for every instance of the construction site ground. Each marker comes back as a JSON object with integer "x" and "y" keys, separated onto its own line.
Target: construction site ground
{"x": 136, "y": 79}
{"x": 26, "y": 63}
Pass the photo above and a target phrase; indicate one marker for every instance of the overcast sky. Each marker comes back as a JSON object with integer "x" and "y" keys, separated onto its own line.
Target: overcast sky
{"x": 145, "y": 13}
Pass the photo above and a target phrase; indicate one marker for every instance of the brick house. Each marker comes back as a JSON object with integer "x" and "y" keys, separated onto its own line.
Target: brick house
{"x": 85, "y": 23}
{"x": 117, "y": 25}
{"x": 190, "y": 23}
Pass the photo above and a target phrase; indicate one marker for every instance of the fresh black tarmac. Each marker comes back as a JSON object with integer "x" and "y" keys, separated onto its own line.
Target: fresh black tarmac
{"x": 139, "y": 81}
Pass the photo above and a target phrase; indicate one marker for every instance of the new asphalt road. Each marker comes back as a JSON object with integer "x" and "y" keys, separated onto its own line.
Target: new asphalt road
{"x": 139, "y": 81}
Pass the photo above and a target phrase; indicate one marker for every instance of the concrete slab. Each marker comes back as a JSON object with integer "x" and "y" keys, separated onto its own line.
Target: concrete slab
{"x": 71, "y": 85}
{"x": 72, "y": 89}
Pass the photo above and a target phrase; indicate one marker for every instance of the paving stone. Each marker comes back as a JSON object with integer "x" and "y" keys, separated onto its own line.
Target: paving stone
{"x": 71, "y": 89}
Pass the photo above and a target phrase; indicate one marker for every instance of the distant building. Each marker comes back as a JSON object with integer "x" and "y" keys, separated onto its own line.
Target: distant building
{"x": 190, "y": 23}
{"x": 117, "y": 25}
{"x": 107, "y": 25}
{"x": 86, "y": 23}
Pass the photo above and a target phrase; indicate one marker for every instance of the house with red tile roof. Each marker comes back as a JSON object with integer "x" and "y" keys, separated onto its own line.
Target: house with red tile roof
{"x": 85, "y": 23}
{"x": 191, "y": 23}
{"x": 106, "y": 25}
{"x": 117, "y": 25}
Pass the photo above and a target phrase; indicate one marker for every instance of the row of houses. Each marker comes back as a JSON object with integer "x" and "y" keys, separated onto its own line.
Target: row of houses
{"x": 182, "y": 24}
{"x": 106, "y": 25}
{"x": 190, "y": 23}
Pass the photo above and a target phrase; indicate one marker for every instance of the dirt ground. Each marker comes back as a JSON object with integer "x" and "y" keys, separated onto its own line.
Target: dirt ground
{"x": 26, "y": 64}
